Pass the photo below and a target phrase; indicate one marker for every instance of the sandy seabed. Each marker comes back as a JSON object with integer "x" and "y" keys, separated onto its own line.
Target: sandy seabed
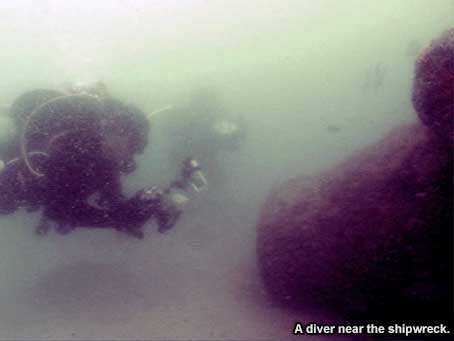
{"x": 198, "y": 281}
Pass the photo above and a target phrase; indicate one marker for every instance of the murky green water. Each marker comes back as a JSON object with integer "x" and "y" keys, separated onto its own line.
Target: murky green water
{"x": 314, "y": 80}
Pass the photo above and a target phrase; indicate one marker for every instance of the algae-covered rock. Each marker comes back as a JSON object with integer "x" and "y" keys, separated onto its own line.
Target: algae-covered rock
{"x": 372, "y": 237}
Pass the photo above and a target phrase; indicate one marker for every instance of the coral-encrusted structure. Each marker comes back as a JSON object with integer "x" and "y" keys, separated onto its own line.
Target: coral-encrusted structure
{"x": 372, "y": 237}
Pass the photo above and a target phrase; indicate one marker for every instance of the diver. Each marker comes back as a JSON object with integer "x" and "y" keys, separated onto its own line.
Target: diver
{"x": 72, "y": 147}
{"x": 202, "y": 128}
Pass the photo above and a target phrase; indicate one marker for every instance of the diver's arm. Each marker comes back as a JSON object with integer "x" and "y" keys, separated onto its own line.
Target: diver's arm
{"x": 130, "y": 215}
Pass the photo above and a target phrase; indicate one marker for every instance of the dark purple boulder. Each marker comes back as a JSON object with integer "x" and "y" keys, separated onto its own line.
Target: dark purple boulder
{"x": 371, "y": 238}
{"x": 433, "y": 85}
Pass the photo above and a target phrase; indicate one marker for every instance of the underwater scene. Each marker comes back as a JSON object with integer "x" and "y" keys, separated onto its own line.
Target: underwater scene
{"x": 226, "y": 169}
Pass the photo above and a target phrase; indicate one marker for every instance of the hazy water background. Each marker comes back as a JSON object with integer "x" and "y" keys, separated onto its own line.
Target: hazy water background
{"x": 293, "y": 68}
